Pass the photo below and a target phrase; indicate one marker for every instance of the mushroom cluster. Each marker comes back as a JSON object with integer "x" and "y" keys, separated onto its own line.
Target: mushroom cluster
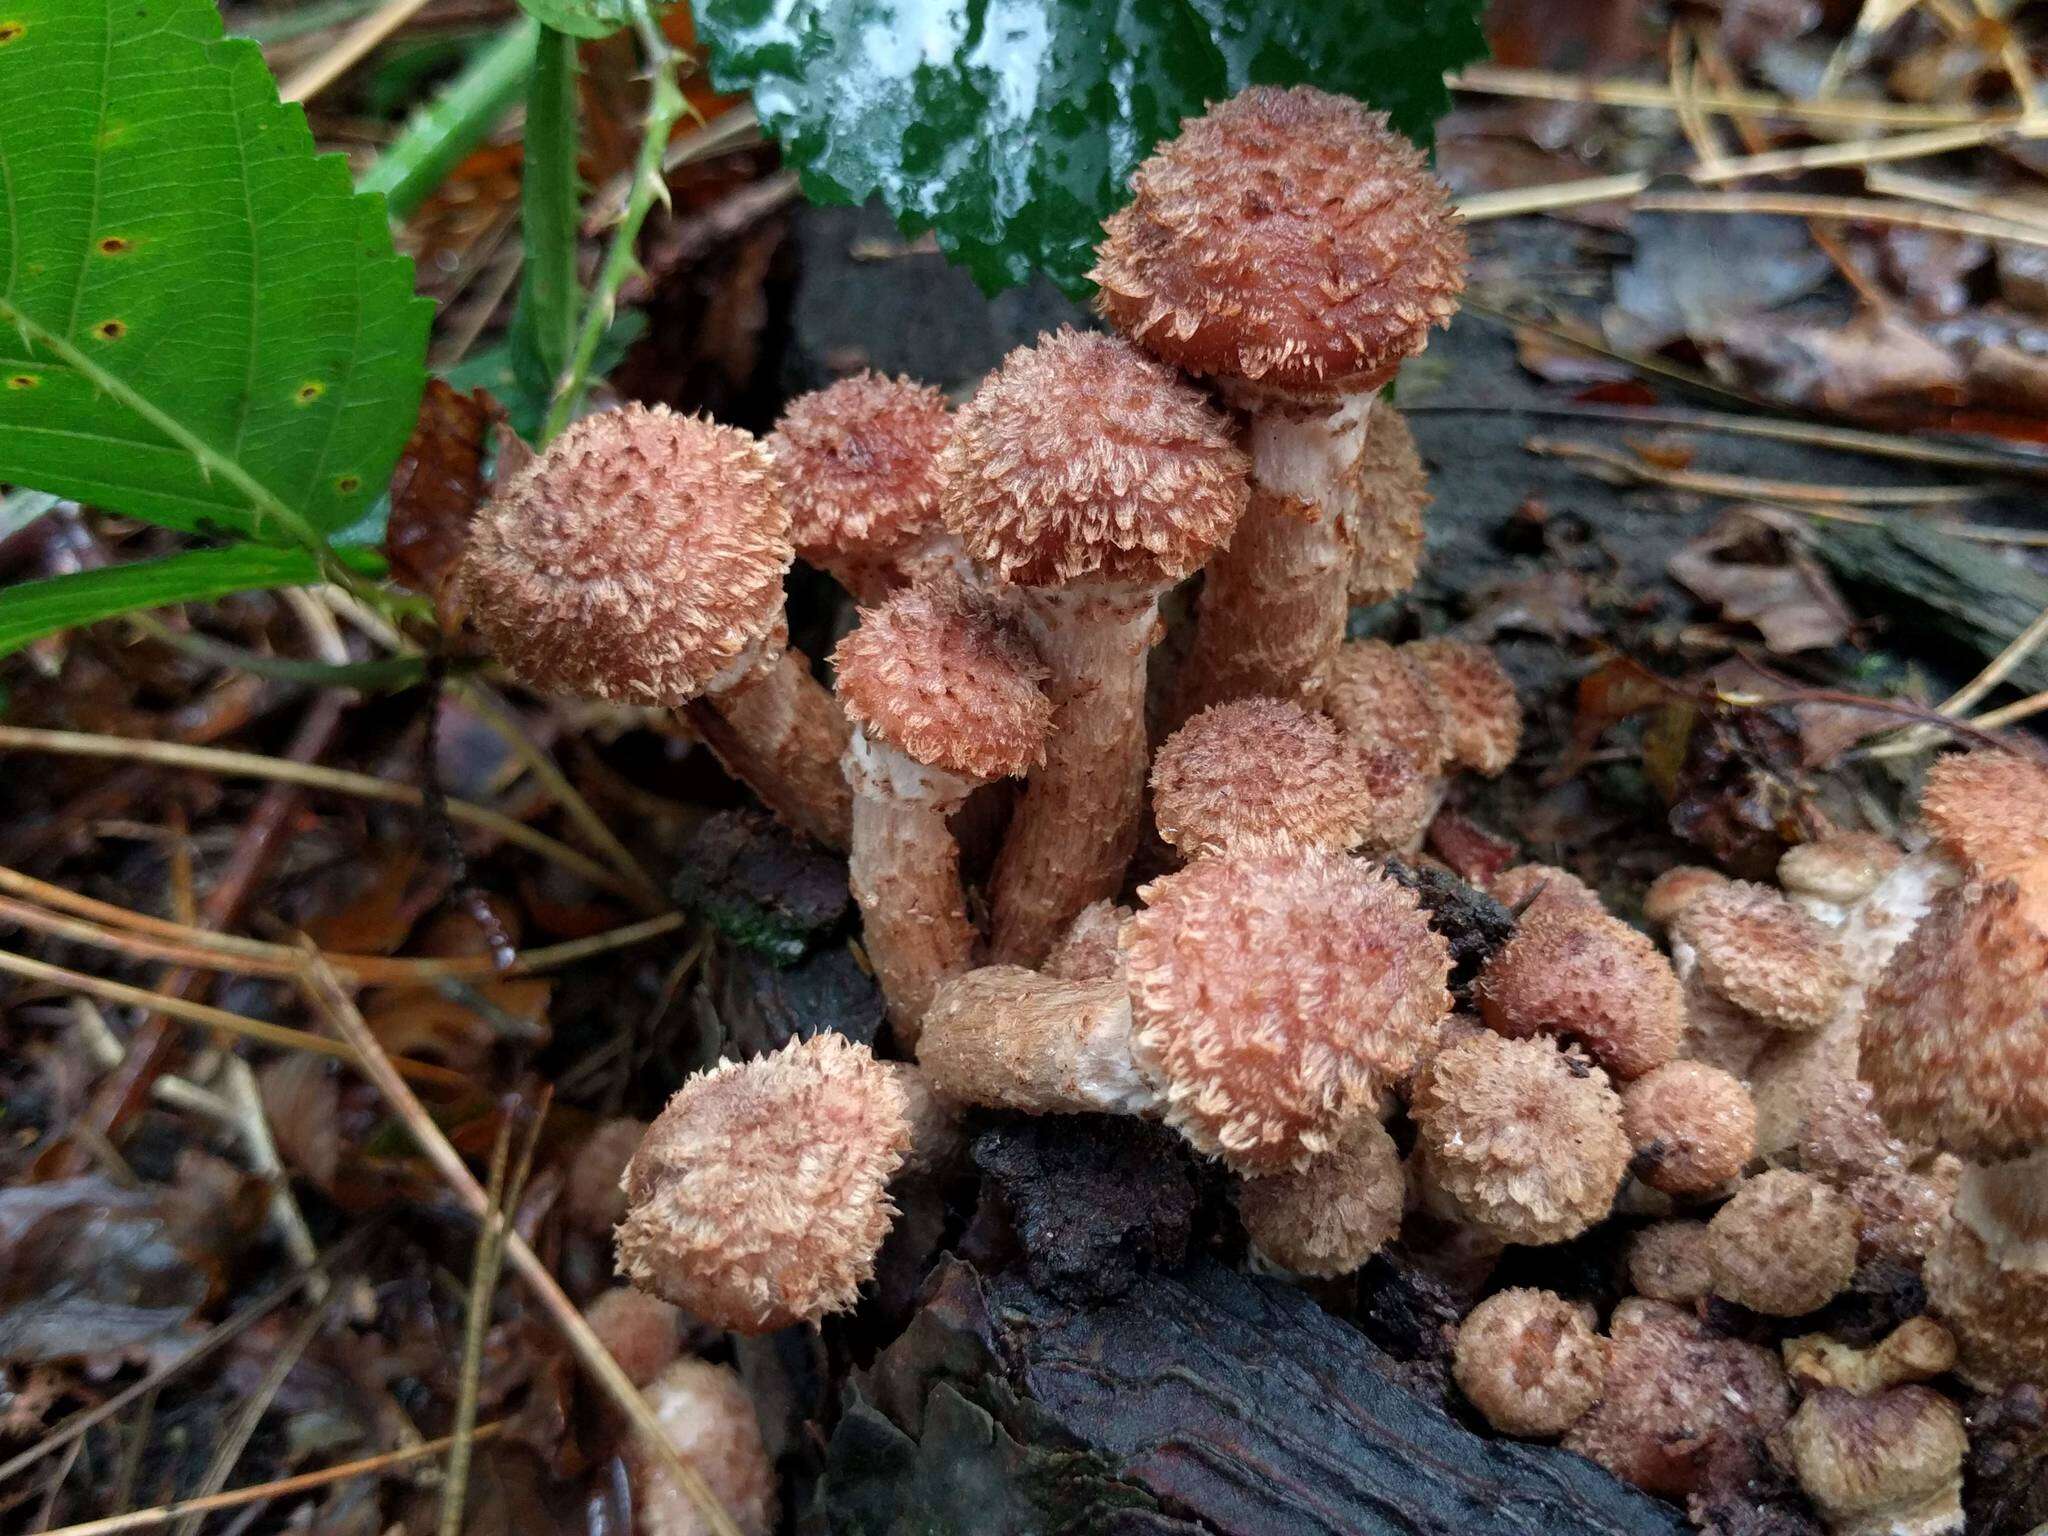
{"x": 1809, "y": 1086}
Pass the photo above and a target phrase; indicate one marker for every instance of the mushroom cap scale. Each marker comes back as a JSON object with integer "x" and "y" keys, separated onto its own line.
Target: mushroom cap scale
{"x": 1083, "y": 459}
{"x": 942, "y": 673}
{"x": 1378, "y": 698}
{"x": 1990, "y": 810}
{"x": 1483, "y": 718}
{"x": 858, "y": 463}
{"x": 1286, "y": 237}
{"x": 1273, "y": 996}
{"x": 639, "y": 559}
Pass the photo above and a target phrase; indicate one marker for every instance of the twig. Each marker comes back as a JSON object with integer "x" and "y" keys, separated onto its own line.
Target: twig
{"x": 211, "y": 1018}
{"x": 313, "y": 776}
{"x": 349, "y": 49}
{"x": 666, "y": 106}
{"x": 437, "y": 136}
{"x": 245, "y": 1112}
{"x": 1867, "y": 210}
{"x": 284, "y": 1487}
{"x": 1542, "y": 85}
{"x": 1959, "y": 704}
{"x": 1752, "y": 487}
{"x": 483, "y": 1289}
{"x": 333, "y": 1003}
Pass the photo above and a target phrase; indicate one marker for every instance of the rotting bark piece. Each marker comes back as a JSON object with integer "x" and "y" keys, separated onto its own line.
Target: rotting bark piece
{"x": 759, "y": 887}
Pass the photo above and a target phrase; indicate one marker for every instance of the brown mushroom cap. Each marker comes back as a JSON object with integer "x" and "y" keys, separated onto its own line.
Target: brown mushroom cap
{"x": 858, "y": 463}
{"x": 708, "y": 1416}
{"x": 942, "y": 673}
{"x": 1667, "y": 1261}
{"x": 1388, "y": 490}
{"x": 1288, "y": 237}
{"x": 1990, "y": 810}
{"x": 1784, "y": 1246}
{"x": 1891, "y": 1462}
{"x": 1673, "y": 891}
{"x": 1483, "y": 717}
{"x": 760, "y": 1195}
{"x": 1764, "y": 955}
{"x": 1528, "y": 883}
{"x": 1334, "y": 1214}
{"x": 1529, "y": 1361}
{"x": 1693, "y": 1127}
{"x": 1273, "y": 997}
{"x": 1265, "y": 773}
{"x": 1842, "y": 868}
{"x": 638, "y": 559}
{"x": 590, "y": 1188}
{"x": 1682, "y": 1407}
{"x": 642, "y": 1332}
{"x": 1525, "y": 1139}
{"x": 1082, "y": 459}
{"x": 1585, "y": 976}
{"x": 1377, "y": 698}
{"x": 1955, "y": 1032}
{"x": 1999, "y": 1316}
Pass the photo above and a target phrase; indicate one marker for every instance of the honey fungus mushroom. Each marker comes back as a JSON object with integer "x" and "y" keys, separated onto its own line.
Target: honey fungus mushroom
{"x": 640, "y": 560}
{"x": 1483, "y": 718}
{"x": 858, "y": 463}
{"x": 1379, "y": 699}
{"x": 1524, "y": 1140}
{"x": 1760, "y": 953}
{"x": 1335, "y": 1213}
{"x": 1890, "y": 1464}
{"x": 1693, "y": 1127}
{"x": 1265, "y": 773}
{"x": 1263, "y": 1004}
{"x": 1290, "y": 246}
{"x": 1389, "y": 493}
{"x": 760, "y": 1194}
{"x": 1530, "y": 1362}
{"x": 1092, "y": 478}
{"x": 943, "y": 689}
{"x": 708, "y": 1416}
{"x": 1582, "y": 975}
{"x": 1785, "y": 1245}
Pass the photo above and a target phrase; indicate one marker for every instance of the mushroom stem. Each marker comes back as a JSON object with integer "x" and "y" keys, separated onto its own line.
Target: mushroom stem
{"x": 1007, "y": 1038}
{"x": 1076, "y": 824}
{"x": 781, "y": 734}
{"x": 1275, "y": 602}
{"x": 2006, "y": 1204}
{"x": 905, "y": 870}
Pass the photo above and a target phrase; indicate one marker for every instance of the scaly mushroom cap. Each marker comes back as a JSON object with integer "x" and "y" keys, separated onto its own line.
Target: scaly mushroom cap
{"x": 1842, "y": 868}
{"x": 636, "y": 560}
{"x": 1764, "y": 955}
{"x": 642, "y": 1332}
{"x": 1674, "y": 890}
{"x": 1379, "y": 699}
{"x": 1529, "y": 1361}
{"x": 943, "y": 673}
{"x": 1265, "y": 773}
{"x": 1287, "y": 237}
{"x": 1999, "y": 1316}
{"x": 1892, "y": 1462}
{"x": 1583, "y": 975}
{"x": 1273, "y": 997}
{"x": 1483, "y": 719}
{"x": 1955, "y": 1032}
{"x": 1525, "y": 884}
{"x": 1693, "y": 1127}
{"x": 1083, "y": 459}
{"x": 1667, "y": 1261}
{"x": 858, "y": 463}
{"x": 1388, "y": 491}
{"x": 760, "y": 1195}
{"x": 708, "y": 1416}
{"x": 1333, "y": 1215}
{"x": 1990, "y": 810}
{"x": 1526, "y": 1139}
{"x": 1784, "y": 1246}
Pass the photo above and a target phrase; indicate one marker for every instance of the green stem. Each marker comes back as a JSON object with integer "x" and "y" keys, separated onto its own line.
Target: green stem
{"x": 665, "y": 108}
{"x": 454, "y": 123}
{"x": 547, "y": 205}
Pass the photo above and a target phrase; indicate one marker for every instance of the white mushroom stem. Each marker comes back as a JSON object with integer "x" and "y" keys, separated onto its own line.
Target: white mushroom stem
{"x": 904, "y": 867}
{"x": 1006, "y": 1038}
{"x": 2006, "y": 1204}
{"x": 779, "y": 732}
{"x": 1275, "y": 602}
{"x": 1076, "y": 824}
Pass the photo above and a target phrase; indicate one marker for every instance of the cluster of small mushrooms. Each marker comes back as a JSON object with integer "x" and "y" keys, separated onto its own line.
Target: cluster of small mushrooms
{"x": 1848, "y": 1069}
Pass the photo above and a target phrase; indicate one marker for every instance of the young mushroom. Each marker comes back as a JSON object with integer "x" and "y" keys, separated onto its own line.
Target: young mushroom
{"x": 708, "y": 1416}
{"x": 1093, "y": 478}
{"x": 1264, "y": 1003}
{"x": 1693, "y": 1127}
{"x": 1293, "y": 248}
{"x": 1390, "y": 492}
{"x": 1522, "y": 1139}
{"x": 943, "y": 690}
{"x": 1667, "y": 1261}
{"x": 640, "y": 560}
{"x": 1482, "y": 716}
{"x": 1530, "y": 1362}
{"x": 1759, "y": 952}
{"x": 1826, "y": 877}
{"x": 1784, "y": 1246}
{"x": 1265, "y": 773}
{"x": 1887, "y": 1465}
{"x": 1331, "y": 1216}
{"x": 1576, "y": 972}
{"x": 1377, "y": 698}
{"x": 858, "y": 463}
{"x": 760, "y": 1195}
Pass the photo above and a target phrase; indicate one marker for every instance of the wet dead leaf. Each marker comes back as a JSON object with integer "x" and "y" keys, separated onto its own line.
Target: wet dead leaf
{"x": 1756, "y": 575}
{"x": 436, "y": 489}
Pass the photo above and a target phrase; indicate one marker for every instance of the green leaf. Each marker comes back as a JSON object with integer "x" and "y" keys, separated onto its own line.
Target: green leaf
{"x": 580, "y": 18}
{"x": 438, "y": 135}
{"x": 544, "y": 325}
{"x": 32, "y": 609}
{"x": 1011, "y": 127}
{"x": 200, "y": 323}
